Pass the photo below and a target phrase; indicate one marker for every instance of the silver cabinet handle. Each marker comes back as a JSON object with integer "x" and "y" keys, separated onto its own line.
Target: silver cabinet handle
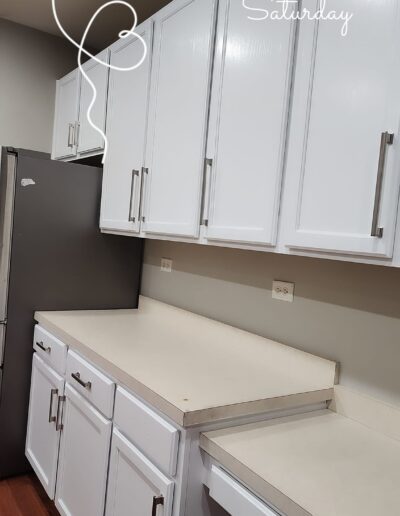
{"x": 77, "y": 378}
{"x": 386, "y": 139}
{"x": 52, "y": 419}
{"x": 43, "y": 347}
{"x": 157, "y": 500}
{"x": 59, "y": 424}
{"x": 208, "y": 163}
{"x": 135, "y": 174}
{"x": 141, "y": 202}
{"x": 77, "y": 128}
{"x": 70, "y": 135}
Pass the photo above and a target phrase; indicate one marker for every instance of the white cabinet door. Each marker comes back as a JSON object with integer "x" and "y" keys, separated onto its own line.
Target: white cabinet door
{"x": 345, "y": 98}
{"x": 126, "y": 133}
{"x": 83, "y": 462}
{"x": 135, "y": 485}
{"x": 42, "y": 440}
{"x": 248, "y": 121}
{"x": 88, "y": 139}
{"x": 183, "y": 48}
{"x": 66, "y": 116}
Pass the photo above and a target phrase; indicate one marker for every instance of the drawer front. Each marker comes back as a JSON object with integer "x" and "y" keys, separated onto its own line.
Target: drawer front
{"x": 91, "y": 383}
{"x": 50, "y": 349}
{"x": 235, "y": 498}
{"x": 154, "y": 436}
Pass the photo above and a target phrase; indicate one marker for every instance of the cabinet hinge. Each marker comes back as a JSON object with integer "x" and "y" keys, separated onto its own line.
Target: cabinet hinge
{"x": 205, "y": 223}
{"x": 143, "y": 219}
{"x": 145, "y": 170}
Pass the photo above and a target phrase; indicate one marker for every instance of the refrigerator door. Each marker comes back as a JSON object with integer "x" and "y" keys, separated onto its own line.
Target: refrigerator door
{"x": 7, "y": 186}
{"x": 59, "y": 261}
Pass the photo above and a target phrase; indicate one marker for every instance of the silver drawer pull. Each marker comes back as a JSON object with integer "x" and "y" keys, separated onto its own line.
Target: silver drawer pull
{"x": 77, "y": 378}
{"x": 59, "y": 424}
{"x": 157, "y": 500}
{"x": 52, "y": 419}
{"x": 43, "y": 347}
{"x": 386, "y": 139}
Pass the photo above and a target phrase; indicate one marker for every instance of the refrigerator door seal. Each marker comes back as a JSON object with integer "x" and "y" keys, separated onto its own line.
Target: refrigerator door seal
{"x": 7, "y": 191}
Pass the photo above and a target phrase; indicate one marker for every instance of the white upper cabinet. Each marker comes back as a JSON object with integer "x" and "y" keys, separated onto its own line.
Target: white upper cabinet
{"x": 66, "y": 115}
{"x": 342, "y": 179}
{"x": 126, "y": 133}
{"x": 181, "y": 75}
{"x": 88, "y": 139}
{"x": 248, "y": 119}
{"x": 73, "y": 136}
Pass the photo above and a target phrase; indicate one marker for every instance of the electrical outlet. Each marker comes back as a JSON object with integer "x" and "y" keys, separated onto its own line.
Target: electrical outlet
{"x": 283, "y": 291}
{"x": 166, "y": 265}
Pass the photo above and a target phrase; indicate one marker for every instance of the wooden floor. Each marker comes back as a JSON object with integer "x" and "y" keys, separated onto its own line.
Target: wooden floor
{"x": 24, "y": 496}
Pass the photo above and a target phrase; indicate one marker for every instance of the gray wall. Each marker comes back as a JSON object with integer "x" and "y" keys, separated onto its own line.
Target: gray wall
{"x": 30, "y": 63}
{"x": 342, "y": 311}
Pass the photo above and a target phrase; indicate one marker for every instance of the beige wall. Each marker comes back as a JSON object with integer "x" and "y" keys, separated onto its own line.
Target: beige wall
{"x": 30, "y": 63}
{"x": 342, "y": 311}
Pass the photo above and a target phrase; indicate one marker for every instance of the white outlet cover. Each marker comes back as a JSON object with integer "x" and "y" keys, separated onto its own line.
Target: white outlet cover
{"x": 283, "y": 291}
{"x": 166, "y": 265}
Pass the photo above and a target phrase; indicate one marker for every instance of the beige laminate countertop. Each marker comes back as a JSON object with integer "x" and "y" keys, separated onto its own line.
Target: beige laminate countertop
{"x": 193, "y": 369}
{"x": 319, "y": 464}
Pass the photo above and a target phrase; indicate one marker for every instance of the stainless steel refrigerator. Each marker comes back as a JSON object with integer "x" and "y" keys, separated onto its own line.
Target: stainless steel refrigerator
{"x": 52, "y": 257}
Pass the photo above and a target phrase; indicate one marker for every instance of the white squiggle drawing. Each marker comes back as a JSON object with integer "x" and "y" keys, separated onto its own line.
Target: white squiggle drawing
{"x": 80, "y": 46}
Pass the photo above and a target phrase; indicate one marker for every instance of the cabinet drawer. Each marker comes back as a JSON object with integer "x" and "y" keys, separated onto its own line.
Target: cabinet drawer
{"x": 235, "y": 498}
{"x": 50, "y": 349}
{"x": 92, "y": 384}
{"x": 154, "y": 436}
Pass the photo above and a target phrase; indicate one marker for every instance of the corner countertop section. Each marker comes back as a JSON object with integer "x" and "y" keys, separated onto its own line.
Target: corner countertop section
{"x": 193, "y": 369}
{"x": 319, "y": 464}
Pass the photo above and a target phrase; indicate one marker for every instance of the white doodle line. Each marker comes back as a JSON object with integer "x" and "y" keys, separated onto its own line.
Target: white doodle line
{"x": 80, "y": 46}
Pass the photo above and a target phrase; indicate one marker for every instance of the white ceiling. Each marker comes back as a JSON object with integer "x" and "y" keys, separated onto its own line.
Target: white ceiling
{"x": 75, "y": 14}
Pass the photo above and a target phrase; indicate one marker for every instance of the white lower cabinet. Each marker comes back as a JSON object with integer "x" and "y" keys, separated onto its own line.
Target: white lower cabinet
{"x": 43, "y": 437}
{"x": 135, "y": 485}
{"x": 83, "y": 461}
{"x": 69, "y": 437}
{"x": 235, "y": 498}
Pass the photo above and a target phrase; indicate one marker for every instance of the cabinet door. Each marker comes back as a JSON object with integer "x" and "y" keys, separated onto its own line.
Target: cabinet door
{"x": 88, "y": 139}
{"x": 135, "y": 485}
{"x": 248, "y": 120}
{"x": 66, "y": 115}
{"x": 345, "y": 100}
{"x": 42, "y": 440}
{"x": 183, "y": 48}
{"x": 126, "y": 133}
{"x": 83, "y": 462}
